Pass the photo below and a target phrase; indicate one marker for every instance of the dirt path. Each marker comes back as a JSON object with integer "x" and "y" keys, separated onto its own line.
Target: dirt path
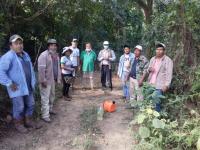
{"x": 62, "y": 133}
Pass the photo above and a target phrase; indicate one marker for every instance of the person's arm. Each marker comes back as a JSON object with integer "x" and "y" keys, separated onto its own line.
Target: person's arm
{"x": 150, "y": 69}
{"x": 113, "y": 57}
{"x": 78, "y": 57}
{"x": 95, "y": 56}
{"x": 5, "y": 62}
{"x": 100, "y": 57}
{"x": 169, "y": 72}
{"x": 119, "y": 66}
{"x": 66, "y": 67}
{"x": 42, "y": 64}
{"x": 146, "y": 64}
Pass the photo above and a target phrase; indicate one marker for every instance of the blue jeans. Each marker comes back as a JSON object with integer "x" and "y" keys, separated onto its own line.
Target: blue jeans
{"x": 125, "y": 85}
{"x": 23, "y": 106}
{"x": 126, "y": 91}
{"x": 158, "y": 105}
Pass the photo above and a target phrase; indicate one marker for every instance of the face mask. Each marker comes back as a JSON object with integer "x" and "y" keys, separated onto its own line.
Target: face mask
{"x": 88, "y": 50}
{"x": 74, "y": 45}
{"x": 105, "y": 46}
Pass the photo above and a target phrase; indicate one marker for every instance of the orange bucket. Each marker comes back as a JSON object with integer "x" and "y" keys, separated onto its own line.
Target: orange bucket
{"x": 109, "y": 106}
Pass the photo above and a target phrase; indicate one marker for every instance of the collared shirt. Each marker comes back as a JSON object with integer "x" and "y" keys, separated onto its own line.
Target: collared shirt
{"x": 45, "y": 68}
{"x": 88, "y": 59}
{"x": 104, "y": 55}
{"x": 164, "y": 74}
{"x": 74, "y": 56}
{"x": 68, "y": 64}
{"x": 11, "y": 71}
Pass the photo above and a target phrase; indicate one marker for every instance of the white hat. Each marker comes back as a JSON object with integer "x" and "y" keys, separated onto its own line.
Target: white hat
{"x": 163, "y": 45}
{"x": 105, "y": 43}
{"x": 75, "y": 40}
{"x": 139, "y": 47}
{"x": 66, "y": 49}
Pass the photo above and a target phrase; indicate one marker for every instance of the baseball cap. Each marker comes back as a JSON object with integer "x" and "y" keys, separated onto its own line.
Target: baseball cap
{"x": 105, "y": 43}
{"x": 161, "y": 45}
{"x": 138, "y": 47}
{"x": 14, "y": 38}
{"x": 75, "y": 40}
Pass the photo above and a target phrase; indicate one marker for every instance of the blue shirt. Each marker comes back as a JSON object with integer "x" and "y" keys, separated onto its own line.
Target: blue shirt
{"x": 133, "y": 69}
{"x": 11, "y": 71}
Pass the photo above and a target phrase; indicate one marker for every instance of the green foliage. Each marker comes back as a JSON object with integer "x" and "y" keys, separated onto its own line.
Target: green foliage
{"x": 176, "y": 127}
{"x": 150, "y": 95}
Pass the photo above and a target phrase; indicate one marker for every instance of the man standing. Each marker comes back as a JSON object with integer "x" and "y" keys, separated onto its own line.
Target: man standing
{"x": 17, "y": 74}
{"x": 48, "y": 73}
{"x": 106, "y": 56}
{"x": 160, "y": 71}
{"x": 75, "y": 56}
{"x": 88, "y": 57}
{"x": 124, "y": 70}
{"x": 137, "y": 75}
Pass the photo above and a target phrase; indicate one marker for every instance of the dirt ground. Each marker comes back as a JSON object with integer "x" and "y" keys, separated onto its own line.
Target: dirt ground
{"x": 64, "y": 133}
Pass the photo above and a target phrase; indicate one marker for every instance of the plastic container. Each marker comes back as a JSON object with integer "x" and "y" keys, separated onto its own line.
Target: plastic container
{"x": 100, "y": 113}
{"x": 109, "y": 106}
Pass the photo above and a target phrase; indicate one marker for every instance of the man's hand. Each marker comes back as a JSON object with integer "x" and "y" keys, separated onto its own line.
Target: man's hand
{"x": 59, "y": 81}
{"x": 164, "y": 89}
{"x": 44, "y": 84}
{"x": 140, "y": 82}
{"x": 13, "y": 87}
{"x": 151, "y": 69}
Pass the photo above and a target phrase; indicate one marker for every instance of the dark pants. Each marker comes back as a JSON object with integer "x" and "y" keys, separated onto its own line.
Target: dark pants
{"x": 106, "y": 75}
{"x": 65, "y": 85}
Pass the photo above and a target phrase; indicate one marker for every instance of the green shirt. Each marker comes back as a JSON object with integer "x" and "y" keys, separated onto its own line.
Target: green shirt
{"x": 88, "y": 59}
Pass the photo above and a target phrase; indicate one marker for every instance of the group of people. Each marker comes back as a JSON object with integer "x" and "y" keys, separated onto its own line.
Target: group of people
{"x": 18, "y": 75}
{"x": 134, "y": 68}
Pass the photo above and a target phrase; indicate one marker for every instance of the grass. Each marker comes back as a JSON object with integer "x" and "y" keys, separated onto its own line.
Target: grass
{"x": 88, "y": 128}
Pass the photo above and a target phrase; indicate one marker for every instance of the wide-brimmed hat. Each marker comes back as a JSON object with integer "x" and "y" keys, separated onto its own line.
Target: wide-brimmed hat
{"x": 52, "y": 41}
{"x": 65, "y": 49}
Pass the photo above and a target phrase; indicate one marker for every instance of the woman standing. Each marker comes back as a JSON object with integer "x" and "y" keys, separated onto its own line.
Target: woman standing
{"x": 67, "y": 72}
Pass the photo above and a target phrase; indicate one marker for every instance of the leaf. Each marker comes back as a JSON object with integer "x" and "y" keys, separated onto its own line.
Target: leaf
{"x": 158, "y": 124}
{"x": 144, "y": 132}
{"x": 156, "y": 114}
{"x": 140, "y": 118}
